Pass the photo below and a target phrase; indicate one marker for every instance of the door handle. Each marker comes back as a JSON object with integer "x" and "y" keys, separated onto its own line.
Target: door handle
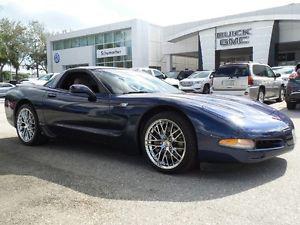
{"x": 51, "y": 95}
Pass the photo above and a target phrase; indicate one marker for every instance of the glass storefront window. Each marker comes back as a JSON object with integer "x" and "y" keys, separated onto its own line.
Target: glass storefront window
{"x": 110, "y": 45}
{"x": 109, "y": 64}
{"x": 57, "y": 45}
{"x": 108, "y": 37}
{"x": 75, "y": 42}
{"x": 118, "y": 37}
{"x": 119, "y": 64}
{"x": 99, "y": 39}
{"x": 128, "y": 64}
{"x": 127, "y": 34}
{"x": 67, "y": 43}
{"x": 91, "y": 40}
{"x": 83, "y": 41}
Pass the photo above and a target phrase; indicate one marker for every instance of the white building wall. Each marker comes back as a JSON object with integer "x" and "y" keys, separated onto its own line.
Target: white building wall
{"x": 289, "y": 31}
{"x": 208, "y": 46}
{"x": 262, "y": 34}
{"x": 155, "y": 46}
{"x": 73, "y": 56}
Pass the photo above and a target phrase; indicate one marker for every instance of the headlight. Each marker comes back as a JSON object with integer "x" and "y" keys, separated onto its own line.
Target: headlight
{"x": 238, "y": 143}
{"x": 198, "y": 82}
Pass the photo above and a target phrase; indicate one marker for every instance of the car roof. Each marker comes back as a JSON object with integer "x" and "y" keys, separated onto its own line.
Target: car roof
{"x": 243, "y": 63}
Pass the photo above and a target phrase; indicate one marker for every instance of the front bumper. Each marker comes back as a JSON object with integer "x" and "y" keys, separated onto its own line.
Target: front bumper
{"x": 217, "y": 153}
{"x": 192, "y": 88}
{"x": 293, "y": 97}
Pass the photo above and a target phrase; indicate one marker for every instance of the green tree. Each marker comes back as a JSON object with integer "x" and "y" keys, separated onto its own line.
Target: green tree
{"x": 18, "y": 46}
{"x": 37, "y": 47}
{"x": 13, "y": 44}
{"x": 5, "y": 27}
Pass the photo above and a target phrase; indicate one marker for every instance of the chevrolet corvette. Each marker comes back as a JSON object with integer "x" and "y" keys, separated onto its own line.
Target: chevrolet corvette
{"x": 174, "y": 130}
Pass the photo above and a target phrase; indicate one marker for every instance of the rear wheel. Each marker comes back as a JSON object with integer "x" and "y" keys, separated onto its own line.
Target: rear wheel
{"x": 27, "y": 126}
{"x": 261, "y": 95}
{"x": 169, "y": 144}
{"x": 291, "y": 105}
{"x": 206, "y": 89}
{"x": 281, "y": 95}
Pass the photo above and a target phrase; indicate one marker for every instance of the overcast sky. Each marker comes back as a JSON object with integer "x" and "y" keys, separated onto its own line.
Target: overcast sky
{"x": 72, "y": 15}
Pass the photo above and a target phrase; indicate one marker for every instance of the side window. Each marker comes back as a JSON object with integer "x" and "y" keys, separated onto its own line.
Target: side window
{"x": 158, "y": 74}
{"x": 79, "y": 78}
{"x": 270, "y": 72}
{"x": 259, "y": 70}
{"x": 147, "y": 71}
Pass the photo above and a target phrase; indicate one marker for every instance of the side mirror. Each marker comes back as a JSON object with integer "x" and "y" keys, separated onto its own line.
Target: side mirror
{"x": 277, "y": 75}
{"x": 82, "y": 89}
{"x": 211, "y": 76}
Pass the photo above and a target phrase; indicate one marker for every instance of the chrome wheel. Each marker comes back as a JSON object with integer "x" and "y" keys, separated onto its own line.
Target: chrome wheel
{"x": 26, "y": 126}
{"x": 261, "y": 96}
{"x": 165, "y": 144}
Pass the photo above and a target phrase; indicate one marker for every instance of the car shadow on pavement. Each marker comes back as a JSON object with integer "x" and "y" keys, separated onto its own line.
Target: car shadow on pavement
{"x": 108, "y": 173}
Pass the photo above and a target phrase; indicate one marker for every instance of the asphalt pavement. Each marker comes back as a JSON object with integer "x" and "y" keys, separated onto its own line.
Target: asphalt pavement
{"x": 75, "y": 182}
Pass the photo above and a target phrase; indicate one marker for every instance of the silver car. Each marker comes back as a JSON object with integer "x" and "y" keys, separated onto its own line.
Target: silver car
{"x": 5, "y": 87}
{"x": 255, "y": 80}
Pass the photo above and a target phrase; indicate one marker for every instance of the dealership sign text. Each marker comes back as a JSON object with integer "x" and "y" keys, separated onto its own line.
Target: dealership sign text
{"x": 110, "y": 52}
{"x": 235, "y": 37}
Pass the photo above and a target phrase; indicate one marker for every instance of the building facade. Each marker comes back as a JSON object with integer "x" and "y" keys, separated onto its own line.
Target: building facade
{"x": 270, "y": 36}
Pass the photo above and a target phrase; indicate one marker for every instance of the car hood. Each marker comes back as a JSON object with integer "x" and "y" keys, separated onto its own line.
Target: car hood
{"x": 248, "y": 115}
{"x": 194, "y": 79}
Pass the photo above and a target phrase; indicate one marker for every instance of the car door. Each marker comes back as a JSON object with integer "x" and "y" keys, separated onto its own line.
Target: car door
{"x": 262, "y": 79}
{"x": 277, "y": 82}
{"x": 73, "y": 113}
{"x": 272, "y": 87}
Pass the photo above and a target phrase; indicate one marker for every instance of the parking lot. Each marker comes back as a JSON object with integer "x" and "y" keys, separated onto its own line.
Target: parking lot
{"x": 74, "y": 182}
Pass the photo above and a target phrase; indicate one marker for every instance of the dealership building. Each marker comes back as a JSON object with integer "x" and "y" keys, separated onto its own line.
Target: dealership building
{"x": 270, "y": 36}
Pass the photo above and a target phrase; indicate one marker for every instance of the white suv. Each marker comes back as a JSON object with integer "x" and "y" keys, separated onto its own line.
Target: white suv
{"x": 258, "y": 81}
{"x": 156, "y": 73}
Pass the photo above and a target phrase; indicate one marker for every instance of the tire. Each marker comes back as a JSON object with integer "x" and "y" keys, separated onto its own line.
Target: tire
{"x": 291, "y": 105}
{"x": 33, "y": 135}
{"x": 281, "y": 95}
{"x": 172, "y": 155}
{"x": 206, "y": 89}
{"x": 261, "y": 95}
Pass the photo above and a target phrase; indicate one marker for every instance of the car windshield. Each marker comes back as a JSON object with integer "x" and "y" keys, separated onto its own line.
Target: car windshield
{"x": 121, "y": 81}
{"x": 200, "y": 74}
{"x": 283, "y": 70}
{"x": 232, "y": 70}
{"x": 45, "y": 77}
{"x": 172, "y": 74}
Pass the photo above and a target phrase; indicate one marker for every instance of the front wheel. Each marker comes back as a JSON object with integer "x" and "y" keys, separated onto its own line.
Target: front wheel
{"x": 27, "y": 126}
{"x": 206, "y": 89}
{"x": 261, "y": 95}
{"x": 169, "y": 144}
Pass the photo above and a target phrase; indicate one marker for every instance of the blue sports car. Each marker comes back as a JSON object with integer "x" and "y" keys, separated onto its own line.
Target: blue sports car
{"x": 172, "y": 129}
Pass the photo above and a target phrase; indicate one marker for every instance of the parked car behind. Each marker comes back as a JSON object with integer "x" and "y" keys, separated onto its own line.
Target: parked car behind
{"x": 184, "y": 74}
{"x": 293, "y": 90}
{"x": 158, "y": 74}
{"x": 199, "y": 81}
{"x": 41, "y": 80}
{"x": 255, "y": 80}
{"x": 285, "y": 72}
{"x": 4, "y": 88}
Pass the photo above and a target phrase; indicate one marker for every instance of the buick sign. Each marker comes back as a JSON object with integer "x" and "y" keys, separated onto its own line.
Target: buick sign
{"x": 110, "y": 52}
{"x": 235, "y": 37}
{"x": 56, "y": 57}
